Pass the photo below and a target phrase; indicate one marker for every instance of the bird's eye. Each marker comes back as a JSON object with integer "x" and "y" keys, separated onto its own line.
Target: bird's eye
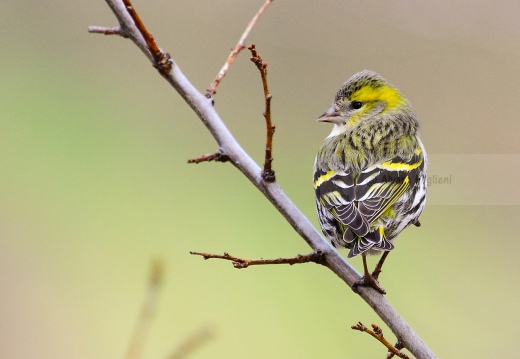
{"x": 357, "y": 105}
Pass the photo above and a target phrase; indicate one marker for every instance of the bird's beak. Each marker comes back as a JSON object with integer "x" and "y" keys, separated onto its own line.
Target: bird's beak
{"x": 332, "y": 116}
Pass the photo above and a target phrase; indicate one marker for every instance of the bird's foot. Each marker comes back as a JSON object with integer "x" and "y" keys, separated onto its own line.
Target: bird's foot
{"x": 368, "y": 281}
{"x": 375, "y": 274}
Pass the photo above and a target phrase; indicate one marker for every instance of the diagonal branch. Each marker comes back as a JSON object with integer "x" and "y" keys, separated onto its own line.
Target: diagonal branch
{"x": 204, "y": 109}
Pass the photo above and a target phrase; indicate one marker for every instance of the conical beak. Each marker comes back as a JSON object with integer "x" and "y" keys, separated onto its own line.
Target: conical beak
{"x": 332, "y": 116}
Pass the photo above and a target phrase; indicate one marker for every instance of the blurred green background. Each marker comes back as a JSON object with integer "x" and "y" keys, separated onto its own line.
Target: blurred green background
{"x": 94, "y": 183}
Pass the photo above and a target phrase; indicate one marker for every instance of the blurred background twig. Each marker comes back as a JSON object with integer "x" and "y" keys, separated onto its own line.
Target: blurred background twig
{"x": 148, "y": 309}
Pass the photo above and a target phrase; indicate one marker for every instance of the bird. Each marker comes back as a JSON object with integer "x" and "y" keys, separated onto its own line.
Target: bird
{"x": 370, "y": 173}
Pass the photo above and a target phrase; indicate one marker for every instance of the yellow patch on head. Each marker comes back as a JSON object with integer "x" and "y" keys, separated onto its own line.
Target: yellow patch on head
{"x": 383, "y": 93}
{"x": 354, "y": 120}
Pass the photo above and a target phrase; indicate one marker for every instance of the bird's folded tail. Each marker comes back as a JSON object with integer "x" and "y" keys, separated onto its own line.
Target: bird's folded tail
{"x": 372, "y": 240}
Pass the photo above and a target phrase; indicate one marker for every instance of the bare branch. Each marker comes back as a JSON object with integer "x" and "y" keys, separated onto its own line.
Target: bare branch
{"x": 378, "y": 334}
{"x": 235, "y": 50}
{"x": 203, "y": 107}
{"x": 267, "y": 172}
{"x": 315, "y": 257}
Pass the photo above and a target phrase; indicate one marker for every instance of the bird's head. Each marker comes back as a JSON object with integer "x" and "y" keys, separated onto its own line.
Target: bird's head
{"x": 365, "y": 96}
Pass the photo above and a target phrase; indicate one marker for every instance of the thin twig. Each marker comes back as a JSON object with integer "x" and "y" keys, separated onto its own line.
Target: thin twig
{"x": 315, "y": 257}
{"x": 150, "y": 42}
{"x": 378, "y": 334}
{"x": 267, "y": 172}
{"x": 217, "y": 156}
{"x": 235, "y": 50}
{"x": 161, "y": 59}
{"x": 397, "y": 346}
{"x": 142, "y": 328}
{"x": 272, "y": 191}
{"x": 114, "y": 30}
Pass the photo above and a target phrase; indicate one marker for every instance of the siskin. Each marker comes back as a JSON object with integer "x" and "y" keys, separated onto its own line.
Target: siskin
{"x": 370, "y": 174}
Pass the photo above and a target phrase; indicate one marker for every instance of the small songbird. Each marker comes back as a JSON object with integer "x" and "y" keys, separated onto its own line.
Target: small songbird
{"x": 370, "y": 174}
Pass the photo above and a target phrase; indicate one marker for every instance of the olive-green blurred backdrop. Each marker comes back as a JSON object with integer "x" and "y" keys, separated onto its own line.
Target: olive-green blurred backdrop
{"x": 94, "y": 182}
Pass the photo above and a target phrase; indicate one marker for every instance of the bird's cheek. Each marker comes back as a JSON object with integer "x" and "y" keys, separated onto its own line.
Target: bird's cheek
{"x": 353, "y": 120}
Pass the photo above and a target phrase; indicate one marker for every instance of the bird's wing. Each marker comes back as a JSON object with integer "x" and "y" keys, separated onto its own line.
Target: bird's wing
{"x": 356, "y": 201}
{"x": 336, "y": 191}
